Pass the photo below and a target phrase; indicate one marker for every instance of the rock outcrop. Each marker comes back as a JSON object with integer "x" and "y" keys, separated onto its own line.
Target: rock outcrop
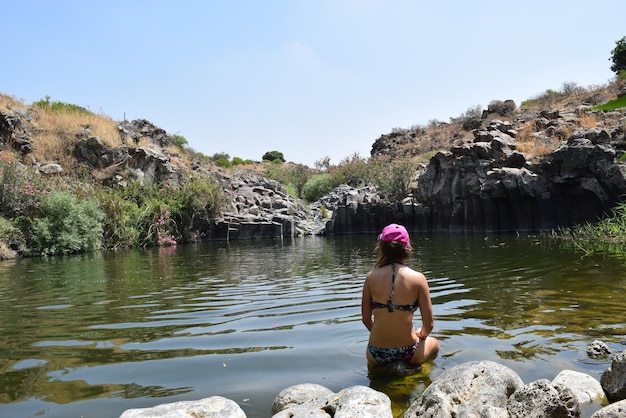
{"x": 487, "y": 183}
{"x": 262, "y": 208}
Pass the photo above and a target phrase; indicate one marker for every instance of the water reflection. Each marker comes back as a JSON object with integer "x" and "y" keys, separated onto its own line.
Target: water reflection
{"x": 101, "y": 333}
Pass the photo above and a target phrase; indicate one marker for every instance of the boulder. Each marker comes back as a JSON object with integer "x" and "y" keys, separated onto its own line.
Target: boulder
{"x": 584, "y": 387}
{"x": 598, "y": 349}
{"x": 311, "y": 400}
{"x": 613, "y": 380}
{"x": 51, "y": 169}
{"x": 541, "y": 399}
{"x": 615, "y": 410}
{"x": 212, "y": 407}
{"x": 477, "y": 388}
{"x": 298, "y": 395}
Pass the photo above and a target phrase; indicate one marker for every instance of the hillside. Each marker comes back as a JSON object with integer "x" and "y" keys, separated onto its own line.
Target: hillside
{"x": 46, "y": 132}
{"x": 149, "y": 188}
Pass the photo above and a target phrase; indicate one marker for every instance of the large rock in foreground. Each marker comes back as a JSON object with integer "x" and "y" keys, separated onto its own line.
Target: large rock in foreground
{"x": 613, "y": 380}
{"x": 309, "y": 400}
{"x": 477, "y": 388}
{"x": 213, "y": 407}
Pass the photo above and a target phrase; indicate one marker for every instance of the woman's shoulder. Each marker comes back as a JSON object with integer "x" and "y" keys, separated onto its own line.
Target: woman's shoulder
{"x": 414, "y": 274}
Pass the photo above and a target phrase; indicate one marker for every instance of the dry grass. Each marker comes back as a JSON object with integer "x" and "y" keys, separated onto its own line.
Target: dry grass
{"x": 8, "y": 102}
{"x": 535, "y": 145}
{"x": 55, "y": 136}
{"x": 588, "y": 121}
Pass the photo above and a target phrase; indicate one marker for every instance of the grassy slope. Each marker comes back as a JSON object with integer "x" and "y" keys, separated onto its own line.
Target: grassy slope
{"x": 613, "y": 104}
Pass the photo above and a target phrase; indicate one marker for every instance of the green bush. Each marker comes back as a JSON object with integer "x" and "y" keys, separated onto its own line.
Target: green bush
{"x": 393, "y": 176}
{"x": 121, "y": 218}
{"x": 618, "y": 56}
{"x": 67, "y": 226}
{"x": 19, "y": 192}
{"x": 9, "y": 232}
{"x": 470, "y": 119}
{"x": 178, "y": 140}
{"x": 220, "y": 156}
{"x": 57, "y": 106}
{"x": 317, "y": 186}
{"x": 353, "y": 170}
{"x": 274, "y": 156}
{"x": 293, "y": 176}
{"x": 222, "y": 162}
{"x": 196, "y": 203}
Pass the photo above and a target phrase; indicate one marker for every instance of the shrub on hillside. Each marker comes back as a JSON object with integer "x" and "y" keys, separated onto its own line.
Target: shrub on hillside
{"x": 274, "y": 156}
{"x": 196, "y": 203}
{"x": 121, "y": 218}
{"x": 178, "y": 141}
{"x": 10, "y": 233}
{"x": 471, "y": 118}
{"x": 394, "y": 176}
{"x": 223, "y": 162}
{"x": 618, "y": 58}
{"x": 317, "y": 186}
{"x": 292, "y": 176}
{"x": 58, "y": 106}
{"x": 67, "y": 225}
{"x": 353, "y": 170}
{"x": 19, "y": 192}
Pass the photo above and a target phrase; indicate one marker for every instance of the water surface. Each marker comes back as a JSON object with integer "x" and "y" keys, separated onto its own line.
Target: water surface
{"x": 95, "y": 335}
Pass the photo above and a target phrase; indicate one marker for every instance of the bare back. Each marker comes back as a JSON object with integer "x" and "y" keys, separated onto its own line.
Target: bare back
{"x": 394, "y": 327}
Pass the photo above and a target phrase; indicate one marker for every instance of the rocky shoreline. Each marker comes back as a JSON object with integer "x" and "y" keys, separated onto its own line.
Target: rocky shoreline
{"x": 473, "y": 389}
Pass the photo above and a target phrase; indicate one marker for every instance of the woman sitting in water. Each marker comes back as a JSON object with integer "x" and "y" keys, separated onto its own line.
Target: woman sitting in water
{"x": 393, "y": 292}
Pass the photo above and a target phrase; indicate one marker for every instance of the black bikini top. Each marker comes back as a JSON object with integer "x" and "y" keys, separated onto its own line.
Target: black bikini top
{"x": 390, "y": 306}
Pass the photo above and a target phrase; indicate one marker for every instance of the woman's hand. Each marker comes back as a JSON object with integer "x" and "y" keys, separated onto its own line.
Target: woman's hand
{"x": 420, "y": 335}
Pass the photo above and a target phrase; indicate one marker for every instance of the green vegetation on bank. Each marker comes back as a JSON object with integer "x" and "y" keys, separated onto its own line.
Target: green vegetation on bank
{"x": 606, "y": 236}
{"x": 51, "y": 217}
{"x": 392, "y": 176}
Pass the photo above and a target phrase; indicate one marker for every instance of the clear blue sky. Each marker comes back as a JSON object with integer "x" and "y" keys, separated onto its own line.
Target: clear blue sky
{"x": 309, "y": 78}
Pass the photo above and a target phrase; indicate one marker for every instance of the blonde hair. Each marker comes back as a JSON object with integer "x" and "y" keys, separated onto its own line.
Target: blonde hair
{"x": 391, "y": 251}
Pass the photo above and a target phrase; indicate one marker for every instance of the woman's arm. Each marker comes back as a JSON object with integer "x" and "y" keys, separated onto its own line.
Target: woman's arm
{"x": 366, "y": 307}
{"x": 426, "y": 309}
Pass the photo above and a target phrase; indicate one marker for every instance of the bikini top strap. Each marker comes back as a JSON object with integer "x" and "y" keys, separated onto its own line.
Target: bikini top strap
{"x": 393, "y": 281}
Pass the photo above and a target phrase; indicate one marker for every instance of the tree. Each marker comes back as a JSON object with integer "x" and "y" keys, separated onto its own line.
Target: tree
{"x": 619, "y": 56}
{"x": 274, "y": 155}
{"x": 178, "y": 140}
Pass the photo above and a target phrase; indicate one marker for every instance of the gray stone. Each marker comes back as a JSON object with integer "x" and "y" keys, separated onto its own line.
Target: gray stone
{"x": 598, "y": 349}
{"x": 613, "y": 380}
{"x": 360, "y": 401}
{"x": 615, "y": 410}
{"x": 473, "y": 389}
{"x": 312, "y": 400}
{"x": 540, "y": 399}
{"x": 51, "y": 168}
{"x": 585, "y": 387}
{"x": 213, "y": 407}
{"x": 299, "y": 394}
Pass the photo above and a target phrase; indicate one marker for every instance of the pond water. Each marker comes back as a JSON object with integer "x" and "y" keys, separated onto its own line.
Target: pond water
{"x": 94, "y": 335}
